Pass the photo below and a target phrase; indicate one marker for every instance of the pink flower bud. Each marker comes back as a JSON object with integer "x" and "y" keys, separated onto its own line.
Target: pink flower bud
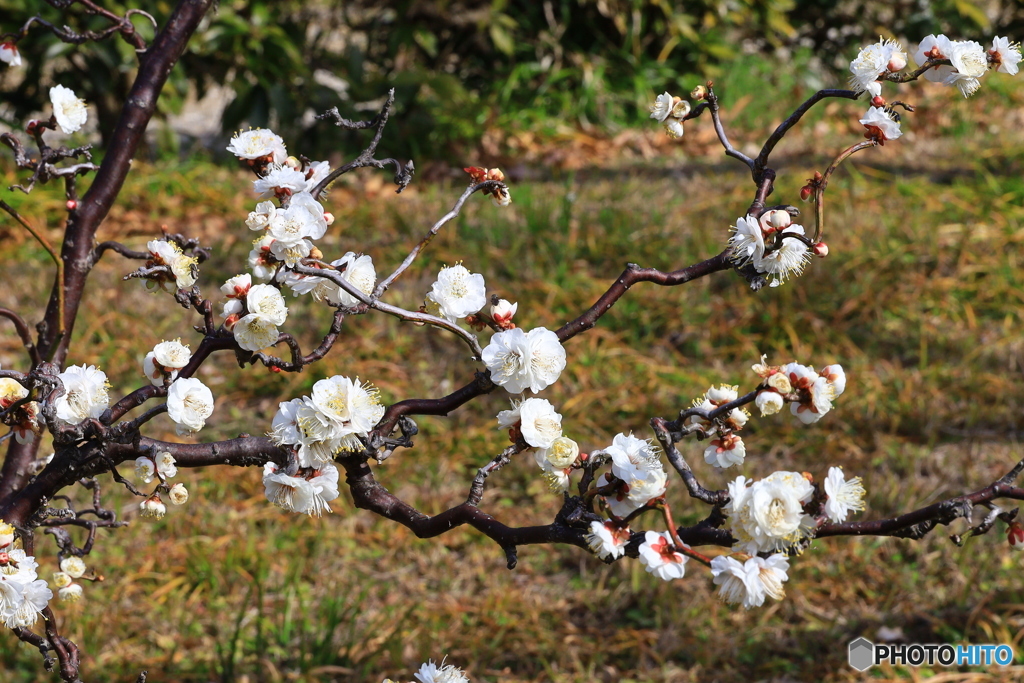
{"x": 821, "y": 250}
{"x": 898, "y": 62}
{"x": 329, "y": 217}
{"x": 71, "y": 204}
{"x": 805, "y": 192}
{"x": 1015, "y": 536}
{"x": 877, "y": 101}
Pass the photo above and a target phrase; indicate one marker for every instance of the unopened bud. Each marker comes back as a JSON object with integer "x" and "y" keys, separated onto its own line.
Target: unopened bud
{"x": 699, "y": 93}
{"x": 877, "y": 101}
{"x": 1015, "y": 536}
{"x": 229, "y": 322}
{"x": 897, "y": 62}
{"x": 329, "y": 217}
{"x": 30, "y": 127}
{"x": 777, "y": 219}
{"x": 316, "y": 253}
{"x": 71, "y": 204}
{"x": 502, "y": 313}
{"x": 820, "y": 250}
{"x": 805, "y": 192}
{"x": 292, "y": 162}
{"x": 681, "y": 108}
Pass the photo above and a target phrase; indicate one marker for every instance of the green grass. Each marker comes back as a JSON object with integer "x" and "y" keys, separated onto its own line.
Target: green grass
{"x": 921, "y": 299}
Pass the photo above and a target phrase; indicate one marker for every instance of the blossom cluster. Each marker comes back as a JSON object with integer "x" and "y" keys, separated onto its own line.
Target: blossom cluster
{"x": 670, "y": 112}
{"x": 332, "y": 419}
{"x": 162, "y": 466}
{"x": 23, "y": 595}
{"x": 182, "y": 269}
{"x": 810, "y": 394}
{"x": 779, "y": 260}
{"x": 540, "y": 426}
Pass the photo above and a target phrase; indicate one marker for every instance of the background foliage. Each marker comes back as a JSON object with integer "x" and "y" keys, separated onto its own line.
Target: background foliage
{"x": 466, "y": 68}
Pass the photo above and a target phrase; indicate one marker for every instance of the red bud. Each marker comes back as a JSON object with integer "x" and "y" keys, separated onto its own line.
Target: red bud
{"x": 71, "y": 205}
{"x": 1015, "y": 536}
{"x": 805, "y": 192}
{"x": 821, "y": 249}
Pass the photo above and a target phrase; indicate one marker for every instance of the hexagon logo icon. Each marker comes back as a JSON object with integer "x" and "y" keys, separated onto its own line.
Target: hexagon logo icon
{"x": 862, "y": 654}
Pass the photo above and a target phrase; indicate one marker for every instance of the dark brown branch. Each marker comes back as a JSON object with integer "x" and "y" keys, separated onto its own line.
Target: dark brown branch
{"x": 403, "y": 173}
{"x": 919, "y": 522}
{"x": 111, "y": 245}
{"x": 634, "y": 274}
{"x": 761, "y": 162}
{"x": 370, "y": 495}
{"x": 24, "y": 333}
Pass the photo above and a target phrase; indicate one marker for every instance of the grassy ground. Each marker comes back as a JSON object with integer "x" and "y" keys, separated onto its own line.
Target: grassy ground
{"x": 921, "y": 299}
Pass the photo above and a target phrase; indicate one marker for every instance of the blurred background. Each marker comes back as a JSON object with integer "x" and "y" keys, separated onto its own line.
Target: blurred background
{"x": 921, "y": 299}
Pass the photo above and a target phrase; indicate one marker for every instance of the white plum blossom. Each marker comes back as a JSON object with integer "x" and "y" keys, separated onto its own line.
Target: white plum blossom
{"x": 457, "y": 293}
{"x": 662, "y": 107}
{"x": 69, "y": 110}
{"x": 638, "y": 465}
{"x": 266, "y": 310}
{"x": 261, "y": 260}
{"x": 432, "y": 673}
{"x": 541, "y": 425}
{"x": 660, "y": 557}
{"x": 178, "y": 494}
{"x": 843, "y": 495}
{"x": 356, "y": 269}
{"x": 258, "y": 144}
{"x": 673, "y": 128}
{"x": 71, "y": 593}
{"x": 259, "y": 219}
{"x": 189, "y": 403}
{"x": 165, "y": 360}
{"x": 815, "y": 392}
{"x": 85, "y": 394}
{"x": 970, "y": 62}
{"x": 279, "y": 180}
{"x": 725, "y": 451}
{"x": 524, "y": 360}
{"x": 875, "y": 60}
{"x": 748, "y": 583}
{"x": 747, "y": 240}
{"x": 349, "y": 409}
{"x": 317, "y": 171}
{"x": 9, "y": 54}
{"x": 608, "y": 539}
{"x": 935, "y": 47}
{"x": 306, "y": 494}
{"x": 769, "y": 402}
{"x": 166, "y": 465}
{"x": 293, "y": 230}
{"x": 23, "y": 596}
{"x": 562, "y": 452}
{"x": 722, "y": 394}
{"x": 145, "y": 469}
{"x": 183, "y": 268}
{"x": 338, "y": 413}
{"x": 1003, "y": 55}
{"x": 293, "y": 494}
{"x": 768, "y": 515}
{"x": 836, "y": 376}
{"x": 73, "y": 566}
{"x": 789, "y": 259}
{"x": 237, "y": 287}
{"x": 153, "y": 507}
